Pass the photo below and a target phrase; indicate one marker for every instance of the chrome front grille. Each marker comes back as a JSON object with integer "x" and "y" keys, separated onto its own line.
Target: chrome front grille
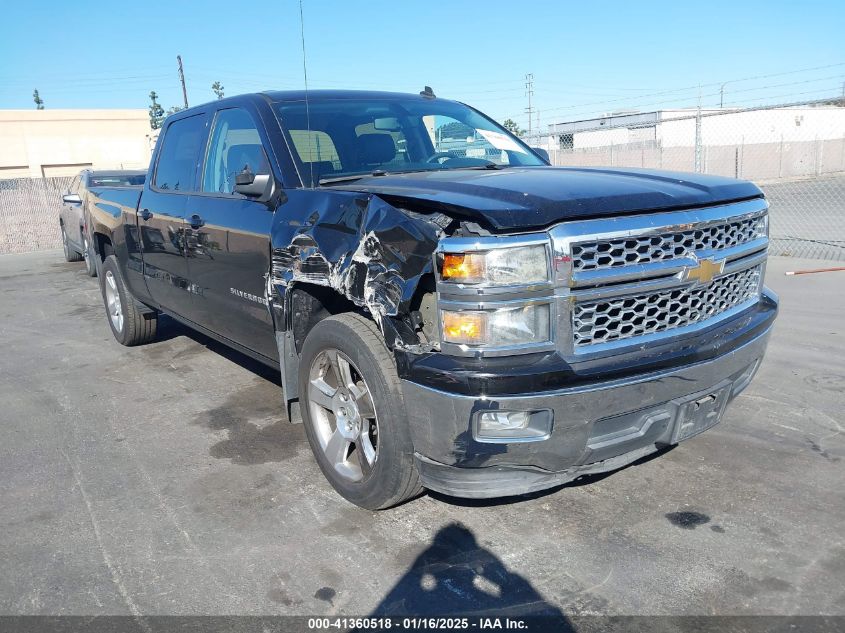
{"x": 642, "y": 279}
{"x": 645, "y": 249}
{"x": 618, "y": 318}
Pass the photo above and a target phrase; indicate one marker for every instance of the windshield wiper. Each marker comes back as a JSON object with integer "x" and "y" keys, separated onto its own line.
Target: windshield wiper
{"x": 351, "y": 177}
{"x": 491, "y": 166}
{"x": 380, "y": 172}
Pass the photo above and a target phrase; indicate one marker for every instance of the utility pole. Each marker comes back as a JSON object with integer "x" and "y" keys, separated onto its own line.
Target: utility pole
{"x": 182, "y": 79}
{"x": 698, "y": 166}
{"x": 529, "y": 91}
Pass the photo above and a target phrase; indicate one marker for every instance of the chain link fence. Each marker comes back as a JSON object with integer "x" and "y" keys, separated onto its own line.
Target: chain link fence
{"x": 29, "y": 213}
{"x": 794, "y": 152}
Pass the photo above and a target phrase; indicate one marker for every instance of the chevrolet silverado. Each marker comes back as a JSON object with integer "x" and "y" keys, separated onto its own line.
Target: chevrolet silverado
{"x": 447, "y": 310}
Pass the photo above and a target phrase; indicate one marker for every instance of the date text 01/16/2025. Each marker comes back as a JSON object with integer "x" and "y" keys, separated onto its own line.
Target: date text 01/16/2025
{"x": 418, "y": 623}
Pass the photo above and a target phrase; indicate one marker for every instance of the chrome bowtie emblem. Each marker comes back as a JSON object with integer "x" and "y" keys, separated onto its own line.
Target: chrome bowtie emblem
{"x": 704, "y": 272}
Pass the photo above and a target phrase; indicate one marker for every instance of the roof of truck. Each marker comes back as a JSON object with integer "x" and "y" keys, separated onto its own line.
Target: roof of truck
{"x": 278, "y": 96}
{"x": 299, "y": 95}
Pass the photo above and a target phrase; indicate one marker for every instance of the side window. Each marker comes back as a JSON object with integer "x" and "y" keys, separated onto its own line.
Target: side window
{"x": 177, "y": 161}
{"x": 235, "y": 146}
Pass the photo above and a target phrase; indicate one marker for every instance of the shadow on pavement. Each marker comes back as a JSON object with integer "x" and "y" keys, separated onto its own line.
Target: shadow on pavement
{"x": 169, "y": 328}
{"x": 457, "y": 577}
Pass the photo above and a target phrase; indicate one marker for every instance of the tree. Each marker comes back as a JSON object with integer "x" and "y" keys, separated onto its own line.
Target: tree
{"x": 39, "y": 102}
{"x": 511, "y": 126}
{"x": 173, "y": 110}
{"x": 217, "y": 87}
{"x": 156, "y": 112}
{"x": 455, "y": 130}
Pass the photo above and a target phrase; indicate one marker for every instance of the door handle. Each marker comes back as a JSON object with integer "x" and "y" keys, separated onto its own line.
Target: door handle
{"x": 146, "y": 214}
{"x": 196, "y": 221}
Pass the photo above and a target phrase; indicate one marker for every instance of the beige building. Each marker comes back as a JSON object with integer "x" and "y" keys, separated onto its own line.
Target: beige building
{"x": 46, "y": 143}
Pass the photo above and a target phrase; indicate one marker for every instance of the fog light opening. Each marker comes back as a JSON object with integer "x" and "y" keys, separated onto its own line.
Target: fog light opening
{"x": 504, "y": 420}
{"x": 500, "y": 426}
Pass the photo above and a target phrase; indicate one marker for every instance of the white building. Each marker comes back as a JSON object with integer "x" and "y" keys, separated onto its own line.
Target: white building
{"x": 677, "y": 128}
{"x": 45, "y": 143}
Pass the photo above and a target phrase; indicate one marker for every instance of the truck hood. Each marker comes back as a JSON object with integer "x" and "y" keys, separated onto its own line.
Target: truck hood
{"x": 520, "y": 198}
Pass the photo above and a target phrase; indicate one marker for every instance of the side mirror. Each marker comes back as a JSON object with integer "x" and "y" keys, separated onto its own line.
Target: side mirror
{"x": 542, "y": 153}
{"x": 252, "y": 185}
{"x": 71, "y": 198}
{"x": 245, "y": 177}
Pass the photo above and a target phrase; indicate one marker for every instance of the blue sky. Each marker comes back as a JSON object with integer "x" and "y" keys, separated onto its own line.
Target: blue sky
{"x": 587, "y": 57}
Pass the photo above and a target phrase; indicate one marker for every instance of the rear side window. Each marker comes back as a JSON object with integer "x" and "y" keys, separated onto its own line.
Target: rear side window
{"x": 177, "y": 161}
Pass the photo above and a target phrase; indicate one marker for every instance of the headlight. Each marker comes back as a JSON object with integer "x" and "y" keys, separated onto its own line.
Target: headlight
{"x": 497, "y": 267}
{"x": 497, "y": 328}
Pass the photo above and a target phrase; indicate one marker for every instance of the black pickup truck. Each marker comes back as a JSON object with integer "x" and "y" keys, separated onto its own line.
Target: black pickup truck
{"x": 446, "y": 309}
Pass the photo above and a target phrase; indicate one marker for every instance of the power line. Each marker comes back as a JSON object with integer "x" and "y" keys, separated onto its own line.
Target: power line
{"x": 594, "y": 114}
{"x": 696, "y": 86}
{"x": 772, "y": 98}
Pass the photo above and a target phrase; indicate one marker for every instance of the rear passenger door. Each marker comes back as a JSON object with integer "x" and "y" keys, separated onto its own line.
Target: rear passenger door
{"x": 161, "y": 215}
{"x": 229, "y": 252}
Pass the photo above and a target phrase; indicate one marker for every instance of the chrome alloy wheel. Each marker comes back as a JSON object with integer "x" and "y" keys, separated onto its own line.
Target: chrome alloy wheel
{"x": 343, "y": 415}
{"x": 85, "y": 253}
{"x": 113, "y": 302}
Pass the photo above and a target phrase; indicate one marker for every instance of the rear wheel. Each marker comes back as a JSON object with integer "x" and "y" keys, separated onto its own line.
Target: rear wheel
{"x": 71, "y": 255}
{"x": 89, "y": 256}
{"x": 130, "y": 323}
{"x": 354, "y": 415}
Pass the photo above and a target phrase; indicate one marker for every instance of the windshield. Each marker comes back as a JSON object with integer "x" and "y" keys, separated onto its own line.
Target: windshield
{"x": 355, "y": 137}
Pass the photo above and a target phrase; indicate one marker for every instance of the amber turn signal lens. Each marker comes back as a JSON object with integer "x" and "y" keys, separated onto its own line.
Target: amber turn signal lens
{"x": 466, "y": 267}
{"x": 464, "y": 327}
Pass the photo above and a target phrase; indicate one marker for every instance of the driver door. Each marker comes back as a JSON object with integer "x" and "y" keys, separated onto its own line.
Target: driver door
{"x": 228, "y": 250}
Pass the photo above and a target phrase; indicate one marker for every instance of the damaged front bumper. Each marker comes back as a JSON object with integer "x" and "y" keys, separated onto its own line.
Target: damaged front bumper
{"x": 595, "y": 427}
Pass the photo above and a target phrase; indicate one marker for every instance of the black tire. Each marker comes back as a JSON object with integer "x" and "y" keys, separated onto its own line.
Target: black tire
{"x": 393, "y": 476}
{"x": 89, "y": 255}
{"x": 71, "y": 255}
{"x": 136, "y": 325}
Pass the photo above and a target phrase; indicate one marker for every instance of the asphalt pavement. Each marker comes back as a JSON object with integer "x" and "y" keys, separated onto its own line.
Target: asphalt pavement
{"x": 165, "y": 479}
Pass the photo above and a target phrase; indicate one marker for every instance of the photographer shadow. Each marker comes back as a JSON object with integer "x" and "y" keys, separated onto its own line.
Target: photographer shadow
{"x": 456, "y": 577}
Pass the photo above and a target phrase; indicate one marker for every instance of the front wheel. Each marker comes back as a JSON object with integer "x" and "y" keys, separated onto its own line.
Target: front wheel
{"x": 354, "y": 415}
{"x": 129, "y": 322}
